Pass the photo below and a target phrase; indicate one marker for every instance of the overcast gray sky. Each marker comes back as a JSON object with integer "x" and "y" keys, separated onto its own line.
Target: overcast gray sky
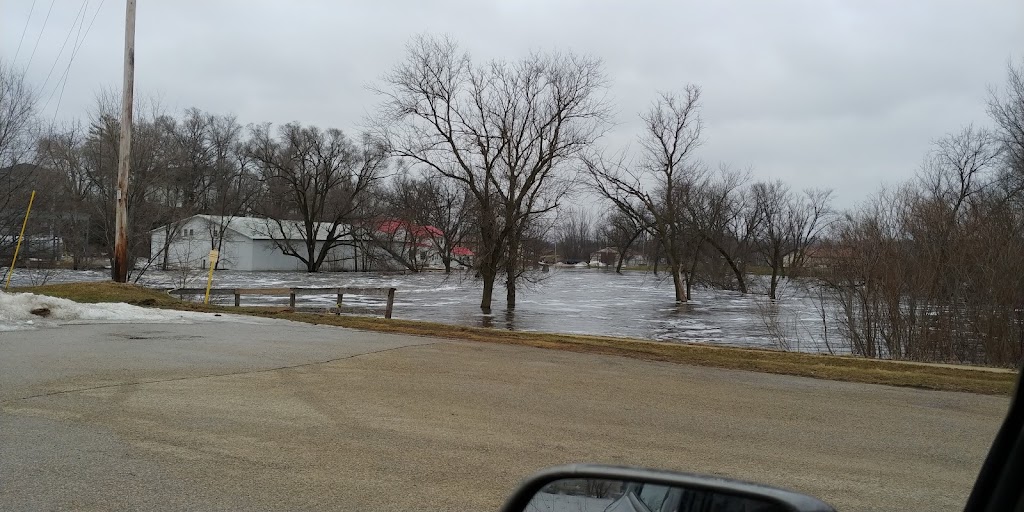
{"x": 845, "y": 95}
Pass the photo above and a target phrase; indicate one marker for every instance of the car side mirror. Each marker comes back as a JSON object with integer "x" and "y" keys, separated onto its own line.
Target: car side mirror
{"x": 592, "y": 488}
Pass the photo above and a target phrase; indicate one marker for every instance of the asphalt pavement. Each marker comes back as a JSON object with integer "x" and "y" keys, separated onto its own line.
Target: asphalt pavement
{"x": 275, "y": 415}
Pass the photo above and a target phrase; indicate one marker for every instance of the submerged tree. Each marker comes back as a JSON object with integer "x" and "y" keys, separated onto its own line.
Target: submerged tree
{"x": 654, "y": 189}
{"x": 505, "y": 132}
{"x": 790, "y": 224}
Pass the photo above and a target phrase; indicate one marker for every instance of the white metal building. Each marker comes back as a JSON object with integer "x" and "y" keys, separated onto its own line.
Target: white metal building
{"x": 247, "y": 244}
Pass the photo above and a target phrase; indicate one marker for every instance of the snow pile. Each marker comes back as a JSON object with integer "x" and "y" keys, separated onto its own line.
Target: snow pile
{"x": 16, "y": 312}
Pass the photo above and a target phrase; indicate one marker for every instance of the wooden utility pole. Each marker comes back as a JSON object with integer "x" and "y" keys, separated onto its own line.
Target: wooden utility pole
{"x": 121, "y": 263}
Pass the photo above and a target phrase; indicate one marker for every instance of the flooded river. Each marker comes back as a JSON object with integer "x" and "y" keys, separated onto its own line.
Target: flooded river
{"x": 585, "y": 301}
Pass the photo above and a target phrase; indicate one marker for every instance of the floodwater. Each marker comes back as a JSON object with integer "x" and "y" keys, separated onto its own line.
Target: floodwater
{"x": 564, "y": 300}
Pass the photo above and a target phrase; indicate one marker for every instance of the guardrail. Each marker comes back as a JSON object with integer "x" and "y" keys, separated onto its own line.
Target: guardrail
{"x": 292, "y": 293}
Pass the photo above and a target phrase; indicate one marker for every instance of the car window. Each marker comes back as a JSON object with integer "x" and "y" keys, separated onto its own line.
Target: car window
{"x": 701, "y": 501}
{"x": 654, "y": 496}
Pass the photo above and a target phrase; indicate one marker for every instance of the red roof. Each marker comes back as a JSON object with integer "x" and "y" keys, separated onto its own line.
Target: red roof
{"x": 392, "y": 226}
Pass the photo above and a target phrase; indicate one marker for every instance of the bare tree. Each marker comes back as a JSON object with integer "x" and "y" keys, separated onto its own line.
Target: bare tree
{"x": 809, "y": 214}
{"x": 426, "y": 216}
{"x": 790, "y": 224}
{"x": 737, "y": 240}
{"x": 621, "y": 231}
{"x": 657, "y": 186}
{"x": 147, "y": 205}
{"x": 18, "y": 129}
{"x": 772, "y": 200}
{"x": 75, "y": 220}
{"x": 401, "y": 235}
{"x": 175, "y": 188}
{"x": 505, "y": 132}
{"x": 318, "y": 182}
{"x": 931, "y": 271}
{"x": 719, "y": 210}
{"x": 231, "y": 183}
{"x": 1006, "y": 107}
{"x": 576, "y": 238}
{"x": 448, "y": 208}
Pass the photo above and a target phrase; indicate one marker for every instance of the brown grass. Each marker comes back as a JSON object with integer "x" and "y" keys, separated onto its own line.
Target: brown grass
{"x": 851, "y": 369}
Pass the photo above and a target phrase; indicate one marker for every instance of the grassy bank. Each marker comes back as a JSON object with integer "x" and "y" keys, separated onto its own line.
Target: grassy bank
{"x": 851, "y": 369}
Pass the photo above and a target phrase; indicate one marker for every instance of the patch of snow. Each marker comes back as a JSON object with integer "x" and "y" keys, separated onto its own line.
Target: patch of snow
{"x": 16, "y": 312}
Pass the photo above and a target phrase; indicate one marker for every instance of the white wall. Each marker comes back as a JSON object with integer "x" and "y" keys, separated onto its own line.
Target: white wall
{"x": 267, "y": 256}
{"x": 184, "y": 250}
{"x": 191, "y": 248}
{"x": 341, "y": 258}
{"x": 236, "y": 252}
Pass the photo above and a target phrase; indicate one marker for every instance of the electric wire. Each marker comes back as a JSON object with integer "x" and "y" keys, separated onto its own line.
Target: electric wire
{"x": 23, "y": 31}
{"x": 81, "y": 10}
{"x": 40, "y": 36}
{"x": 78, "y": 46}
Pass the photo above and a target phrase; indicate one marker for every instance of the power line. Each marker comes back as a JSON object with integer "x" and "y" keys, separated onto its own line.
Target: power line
{"x": 78, "y": 46}
{"x": 47, "y": 18}
{"x": 22, "y": 40}
{"x": 64, "y": 76}
{"x": 81, "y": 10}
{"x": 62, "y": 82}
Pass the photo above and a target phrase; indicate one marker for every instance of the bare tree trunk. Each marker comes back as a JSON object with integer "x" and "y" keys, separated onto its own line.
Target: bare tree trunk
{"x": 657, "y": 257}
{"x": 679, "y": 283}
{"x": 485, "y": 299}
{"x": 510, "y": 294}
{"x": 689, "y": 277}
{"x": 166, "y": 257}
{"x": 171, "y": 232}
{"x": 774, "y": 282}
{"x": 741, "y": 278}
{"x": 512, "y": 273}
{"x": 625, "y": 249}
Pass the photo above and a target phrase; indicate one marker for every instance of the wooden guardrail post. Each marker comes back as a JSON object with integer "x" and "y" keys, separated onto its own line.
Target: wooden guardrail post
{"x": 340, "y": 296}
{"x": 291, "y": 298}
{"x": 391, "y": 303}
{"x": 238, "y": 299}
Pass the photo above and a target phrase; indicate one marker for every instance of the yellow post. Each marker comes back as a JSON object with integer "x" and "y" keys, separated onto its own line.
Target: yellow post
{"x": 209, "y": 278}
{"x": 10, "y": 271}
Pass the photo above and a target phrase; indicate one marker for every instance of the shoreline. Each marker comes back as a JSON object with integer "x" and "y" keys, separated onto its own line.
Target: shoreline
{"x": 924, "y": 375}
